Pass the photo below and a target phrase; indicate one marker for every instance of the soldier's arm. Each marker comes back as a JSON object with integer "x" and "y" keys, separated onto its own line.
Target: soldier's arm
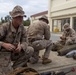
{"x": 63, "y": 37}
{"x": 73, "y": 34}
{"x": 2, "y": 34}
{"x": 47, "y": 33}
{"x": 24, "y": 40}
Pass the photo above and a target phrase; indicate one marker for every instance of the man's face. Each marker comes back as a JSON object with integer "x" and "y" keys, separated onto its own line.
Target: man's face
{"x": 18, "y": 20}
{"x": 66, "y": 27}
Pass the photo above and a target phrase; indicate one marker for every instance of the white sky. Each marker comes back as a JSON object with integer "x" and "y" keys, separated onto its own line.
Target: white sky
{"x": 30, "y": 6}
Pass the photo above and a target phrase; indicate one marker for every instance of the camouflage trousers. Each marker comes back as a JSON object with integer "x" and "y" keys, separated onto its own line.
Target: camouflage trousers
{"x": 5, "y": 63}
{"x": 27, "y": 53}
{"x": 61, "y": 43}
{"x": 39, "y": 45}
{"x": 70, "y": 41}
{"x": 23, "y": 57}
{"x": 58, "y": 45}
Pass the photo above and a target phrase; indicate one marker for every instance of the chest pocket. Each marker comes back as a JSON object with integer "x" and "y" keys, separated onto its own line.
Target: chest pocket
{"x": 10, "y": 37}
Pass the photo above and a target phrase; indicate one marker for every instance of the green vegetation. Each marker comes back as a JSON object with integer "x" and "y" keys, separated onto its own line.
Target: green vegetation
{"x": 26, "y": 22}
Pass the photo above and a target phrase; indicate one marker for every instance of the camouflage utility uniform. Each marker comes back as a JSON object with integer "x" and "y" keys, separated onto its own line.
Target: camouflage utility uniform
{"x": 38, "y": 36}
{"x": 8, "y": 34}
{"x": 68, "y": 37}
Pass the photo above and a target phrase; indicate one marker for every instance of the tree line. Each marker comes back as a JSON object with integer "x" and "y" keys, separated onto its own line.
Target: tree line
{"x": 8, "y": 18}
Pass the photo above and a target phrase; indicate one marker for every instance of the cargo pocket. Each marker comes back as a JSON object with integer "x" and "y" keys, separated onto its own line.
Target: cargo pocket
{"x": 37, "y": 45}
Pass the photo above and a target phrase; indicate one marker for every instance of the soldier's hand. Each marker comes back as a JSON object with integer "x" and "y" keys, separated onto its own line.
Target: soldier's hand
{"x": 62, "y": 38}
{"x": 18, "y": 49}
{"x": 8, "y": 46}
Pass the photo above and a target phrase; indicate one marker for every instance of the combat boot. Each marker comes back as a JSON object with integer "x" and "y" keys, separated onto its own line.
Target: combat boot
{"x": 46, "y": 60}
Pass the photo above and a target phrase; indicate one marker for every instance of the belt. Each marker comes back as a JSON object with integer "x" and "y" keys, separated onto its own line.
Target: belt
{"x": 34, "y": 39}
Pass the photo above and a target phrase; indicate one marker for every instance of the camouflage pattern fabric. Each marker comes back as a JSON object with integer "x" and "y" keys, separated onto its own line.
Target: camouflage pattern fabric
{"x": 39, "y": 38}
{"x": 68, "y": 38}
{"x": 8, "y": 34}
{"x": 5, "y": 63}
{"x": 66, "y": 49}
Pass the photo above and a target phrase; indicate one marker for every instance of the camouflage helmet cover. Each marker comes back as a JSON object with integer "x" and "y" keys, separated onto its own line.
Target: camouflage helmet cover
{"x": 17, "y": 11}
{"x": 44, "y": 17}
{"x": 66, "y": 26}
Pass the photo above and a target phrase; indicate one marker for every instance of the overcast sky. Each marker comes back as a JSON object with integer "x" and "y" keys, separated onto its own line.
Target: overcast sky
{"x": 30, "y": 6}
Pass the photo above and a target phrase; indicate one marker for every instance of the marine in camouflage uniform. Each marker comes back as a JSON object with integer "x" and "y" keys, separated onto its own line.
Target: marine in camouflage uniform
{"x": 68, "y": 37}
{"x": 13, "y": 38}
{"x": 39, "y": 38}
